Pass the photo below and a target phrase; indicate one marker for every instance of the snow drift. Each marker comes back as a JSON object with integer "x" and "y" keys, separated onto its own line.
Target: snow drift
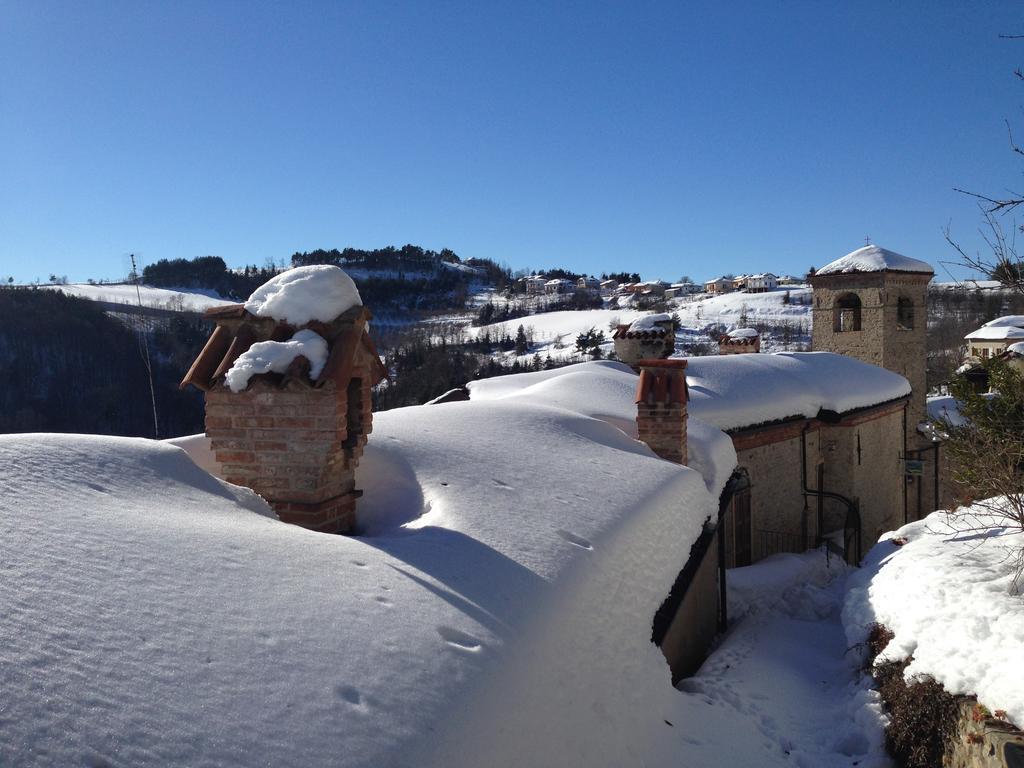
{"x": 947, "y": 595}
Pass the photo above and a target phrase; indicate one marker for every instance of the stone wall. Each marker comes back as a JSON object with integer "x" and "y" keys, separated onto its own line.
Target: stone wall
{"x": 982, "y": 740}
{"x": 782, "y": 519}
{"x": 863, "y": 461}
{"x": 776, "y": 498}
{"x": 695, "y": 624}
{"x": 881, "y": 339}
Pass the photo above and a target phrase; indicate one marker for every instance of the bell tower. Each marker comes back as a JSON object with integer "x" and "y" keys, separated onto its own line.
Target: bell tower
{"x": 872, "y": 305}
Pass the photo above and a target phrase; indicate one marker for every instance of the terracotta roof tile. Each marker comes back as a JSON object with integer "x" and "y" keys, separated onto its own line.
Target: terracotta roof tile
{"x": 237, "y": 330}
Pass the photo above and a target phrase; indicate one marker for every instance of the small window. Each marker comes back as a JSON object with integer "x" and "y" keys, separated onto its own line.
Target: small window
{"x": 904, "y": 314}
{"x": 846, "y": 316}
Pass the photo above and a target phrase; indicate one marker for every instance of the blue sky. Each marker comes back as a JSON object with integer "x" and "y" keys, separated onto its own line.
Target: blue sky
{"x": 669, "y": 138}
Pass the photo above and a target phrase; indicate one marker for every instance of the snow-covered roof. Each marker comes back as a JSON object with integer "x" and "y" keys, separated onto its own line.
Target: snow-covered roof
{"x": 606, "y": 390}
{"x": 735, "y": 391}
{"x": 1016, "y": 321}
{"x": 303, "y": 294}
{"x": 996, "y": 333}
{"x": 1016, "y": 348}
{"x": 494, "y": 604}
{"x": 871, "y": 258}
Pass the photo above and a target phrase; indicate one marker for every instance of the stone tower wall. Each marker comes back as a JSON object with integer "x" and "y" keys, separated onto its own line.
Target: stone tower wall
{"x": 880, "y": 340}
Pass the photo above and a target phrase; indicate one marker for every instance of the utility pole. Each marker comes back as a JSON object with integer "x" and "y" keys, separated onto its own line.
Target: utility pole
{"x": 145, "y": 350}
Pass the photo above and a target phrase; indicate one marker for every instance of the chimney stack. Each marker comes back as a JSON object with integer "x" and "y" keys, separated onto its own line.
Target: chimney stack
{"x": 740, "y": 341}
{"x": 649, "y": 337}
{"x": 661, "y": 408}
{"x": 288, "y": 408}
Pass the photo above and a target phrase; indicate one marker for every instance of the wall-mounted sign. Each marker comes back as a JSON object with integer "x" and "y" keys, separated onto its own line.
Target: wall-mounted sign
{"x": 914, "y": 467}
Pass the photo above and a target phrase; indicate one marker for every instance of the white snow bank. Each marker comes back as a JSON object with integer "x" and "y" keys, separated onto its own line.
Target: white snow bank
{"x": 1017, "y": 348}
{"x": 733, "y": 391}
{"x": 871, "y": 258}
{"x": 606, "y": 390}
{"x": 199, "y": 450}
{"x": 276, "y": 356}
{"x": 649, "y": 322}
{"x": 303, "y": 294}
{"x": 500, "y": 603}
{"x": 946, "y": 596}
{"x": 768, "y": 582}
{"x": 996, "y": 333}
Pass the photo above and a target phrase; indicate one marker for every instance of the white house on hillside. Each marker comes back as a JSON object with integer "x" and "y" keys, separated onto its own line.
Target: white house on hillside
{"x": 761, "y": 283}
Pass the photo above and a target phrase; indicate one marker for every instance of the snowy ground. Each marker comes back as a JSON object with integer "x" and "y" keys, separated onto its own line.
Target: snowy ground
{"x": 159, "y": 298}
{"x": 949, "y": 597}
{"x": 782, "y": 685}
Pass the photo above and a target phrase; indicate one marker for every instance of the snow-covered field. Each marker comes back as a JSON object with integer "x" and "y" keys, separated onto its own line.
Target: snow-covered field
{"x": 159, "y": 298}
{"x": 702, "y": 317}
{"x": 948, "y": 595}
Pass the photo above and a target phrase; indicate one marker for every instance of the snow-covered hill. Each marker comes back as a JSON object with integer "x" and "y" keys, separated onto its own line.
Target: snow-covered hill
{"x": 191, "y": 300}
{"x": 787, "y": 312}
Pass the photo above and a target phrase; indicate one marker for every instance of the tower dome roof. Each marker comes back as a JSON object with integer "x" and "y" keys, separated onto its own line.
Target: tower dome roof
{"x": 871, "y": 258}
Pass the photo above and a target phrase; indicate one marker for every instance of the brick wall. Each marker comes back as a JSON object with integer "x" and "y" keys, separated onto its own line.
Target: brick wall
{"x": 661, "y": 408}
{"x": 293, "y": 447}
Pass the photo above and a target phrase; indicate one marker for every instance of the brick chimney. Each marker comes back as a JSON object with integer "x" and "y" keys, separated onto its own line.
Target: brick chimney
{"x": 293, "y": 439}
{"x": 661, "y": 408}
{"x": 740, "y": 341}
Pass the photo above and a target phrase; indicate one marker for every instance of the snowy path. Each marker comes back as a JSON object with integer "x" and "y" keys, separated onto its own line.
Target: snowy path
{"x": 782, "y": 675}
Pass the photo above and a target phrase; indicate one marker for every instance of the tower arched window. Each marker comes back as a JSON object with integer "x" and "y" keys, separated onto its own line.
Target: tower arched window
{"x": 904, "y": 314}
{"x": 846, "y": 316}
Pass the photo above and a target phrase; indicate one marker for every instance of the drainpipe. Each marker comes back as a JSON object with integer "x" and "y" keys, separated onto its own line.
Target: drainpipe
{"x": 820, "y": 492}
{"x": 903, "y": 474}
{"x": 724, "y": 500}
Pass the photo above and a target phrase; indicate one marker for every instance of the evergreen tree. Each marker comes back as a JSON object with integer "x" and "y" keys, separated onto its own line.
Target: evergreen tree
{"x": 522, "y": 346}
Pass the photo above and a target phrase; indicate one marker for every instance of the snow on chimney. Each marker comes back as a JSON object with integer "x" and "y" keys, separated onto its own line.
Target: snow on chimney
{"x": 648, "y": 337}
{"x": 287, "y": 378}
{"x": 739, "y": 341}
{"x": 661, "y": 408}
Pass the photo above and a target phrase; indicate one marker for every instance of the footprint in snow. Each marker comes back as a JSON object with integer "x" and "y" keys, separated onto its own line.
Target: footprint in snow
{"x": 382, "y": 600}
{"x": 350, "y": 694}
{"x": 359, "y": 564}
{"x": 575, "y": 540}
{"x": 458, "y": 639}
{"x": 501, "y": 484}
